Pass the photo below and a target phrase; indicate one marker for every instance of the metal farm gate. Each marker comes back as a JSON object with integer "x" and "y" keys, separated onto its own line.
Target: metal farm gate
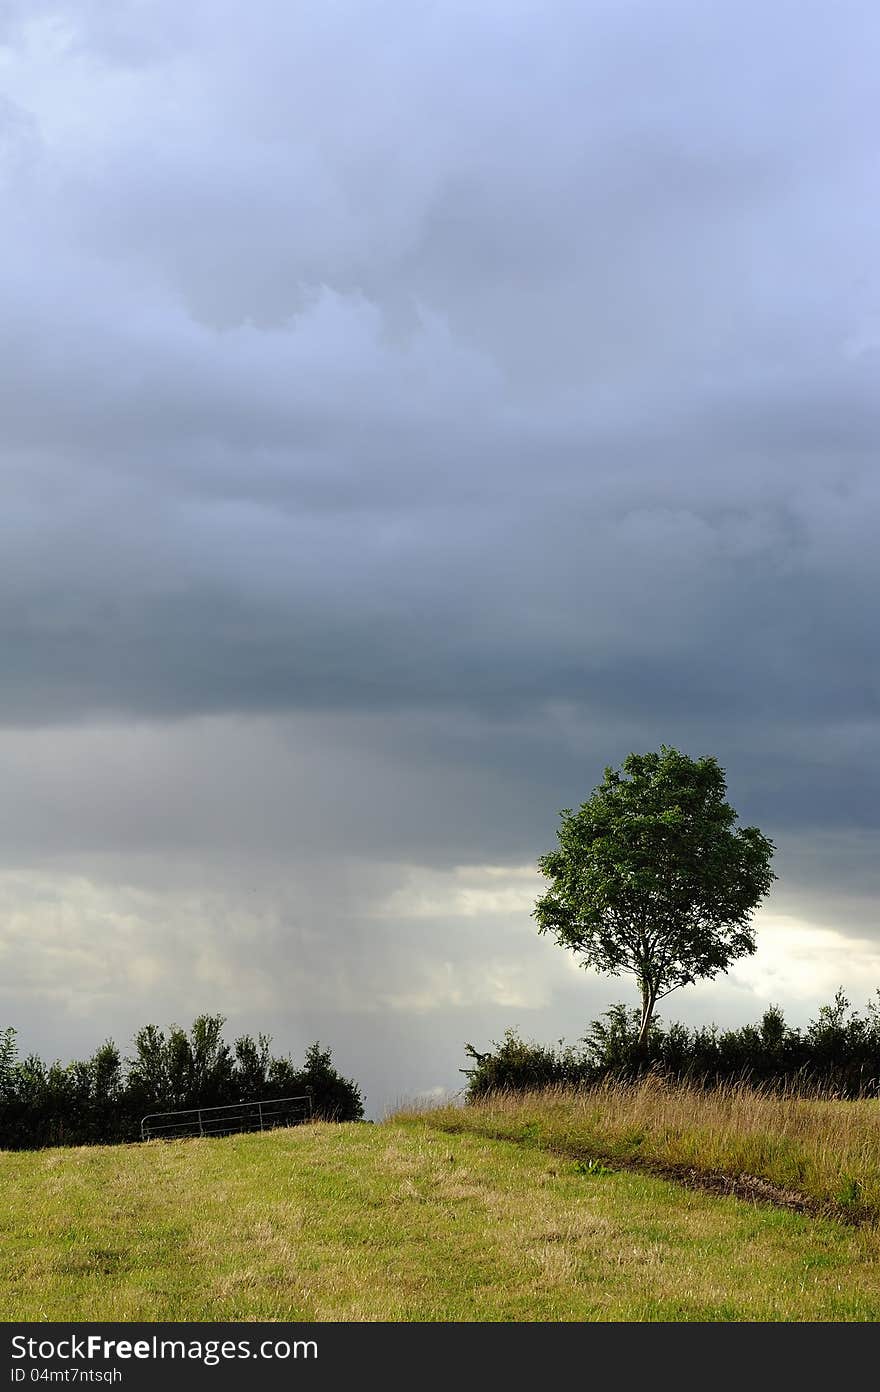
{"x": 222, "y": 1121}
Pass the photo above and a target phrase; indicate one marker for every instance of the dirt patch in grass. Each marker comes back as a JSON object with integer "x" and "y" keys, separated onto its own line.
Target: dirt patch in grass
{"x": 751, "y": 1188}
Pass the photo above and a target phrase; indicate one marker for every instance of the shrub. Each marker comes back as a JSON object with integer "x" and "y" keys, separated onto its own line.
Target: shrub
{"x": 518, "y": 1066}
{"x": 837, "y": 1053}
{"x": 102, "y": 1099}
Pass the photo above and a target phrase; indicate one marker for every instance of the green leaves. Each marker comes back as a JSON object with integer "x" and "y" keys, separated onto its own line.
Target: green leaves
{"x": 652, "y": 877}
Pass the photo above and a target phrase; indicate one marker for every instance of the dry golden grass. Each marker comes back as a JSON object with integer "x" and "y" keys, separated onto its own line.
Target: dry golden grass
{"x": 823, "y": 1149}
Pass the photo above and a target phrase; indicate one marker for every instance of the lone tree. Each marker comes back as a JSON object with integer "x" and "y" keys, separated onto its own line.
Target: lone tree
{"x": 651, "y": 878}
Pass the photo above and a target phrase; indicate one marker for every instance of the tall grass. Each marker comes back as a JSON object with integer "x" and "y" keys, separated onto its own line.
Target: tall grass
{"x": 821, "y": 1148}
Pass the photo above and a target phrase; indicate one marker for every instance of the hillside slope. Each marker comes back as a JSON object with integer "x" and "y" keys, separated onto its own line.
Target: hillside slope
{"x": 400, "y": 1222}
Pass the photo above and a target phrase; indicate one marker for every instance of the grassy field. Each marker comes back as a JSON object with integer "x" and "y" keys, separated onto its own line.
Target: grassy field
{"x": 401, "y": 1221}
{"x": 827, "y": 1151}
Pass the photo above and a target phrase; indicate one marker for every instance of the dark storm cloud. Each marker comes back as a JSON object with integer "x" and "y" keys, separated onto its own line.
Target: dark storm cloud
{"x": 439, "y": 359}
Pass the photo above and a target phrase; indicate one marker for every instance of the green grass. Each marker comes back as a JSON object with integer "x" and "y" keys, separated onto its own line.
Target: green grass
{"x": 400, "y": 1221}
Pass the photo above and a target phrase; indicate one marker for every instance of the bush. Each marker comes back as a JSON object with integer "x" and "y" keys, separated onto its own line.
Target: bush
{"x": 838, "y": 1054}
{"x": 334, "y": 1098}
{"x": 101, "y": 1100}
{"x": 518, "y": 1066}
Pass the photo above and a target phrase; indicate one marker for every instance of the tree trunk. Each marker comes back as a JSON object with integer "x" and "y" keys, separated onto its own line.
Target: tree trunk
{"x": 649, "y": 1000}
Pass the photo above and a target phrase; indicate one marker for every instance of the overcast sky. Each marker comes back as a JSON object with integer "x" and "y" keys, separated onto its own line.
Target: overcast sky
{"x": 406, "y": 410}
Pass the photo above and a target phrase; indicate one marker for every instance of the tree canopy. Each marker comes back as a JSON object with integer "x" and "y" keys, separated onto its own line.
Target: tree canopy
{"x": 652, "y": 877}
